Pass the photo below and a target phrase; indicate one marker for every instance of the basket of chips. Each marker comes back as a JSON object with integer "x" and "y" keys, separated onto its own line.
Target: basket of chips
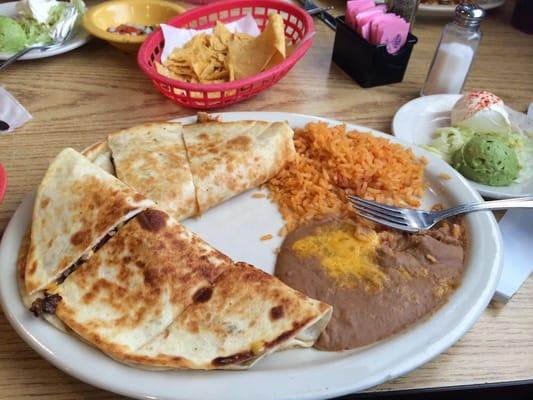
{"x": 223, "y": 67}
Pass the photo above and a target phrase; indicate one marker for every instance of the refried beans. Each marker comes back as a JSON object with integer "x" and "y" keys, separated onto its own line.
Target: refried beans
{"x": 417, "y": 273}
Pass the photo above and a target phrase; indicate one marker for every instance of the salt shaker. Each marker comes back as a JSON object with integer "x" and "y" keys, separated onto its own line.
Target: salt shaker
{"x": 455, "y": 52}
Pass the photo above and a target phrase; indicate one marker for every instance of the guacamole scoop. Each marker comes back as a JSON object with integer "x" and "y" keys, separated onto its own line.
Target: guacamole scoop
{"x": 12, "y": 36}
{"x": 487, "y": 159}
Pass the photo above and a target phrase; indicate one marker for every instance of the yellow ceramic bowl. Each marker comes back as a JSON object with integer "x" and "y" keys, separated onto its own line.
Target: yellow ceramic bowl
{"x": 112, "y": 13}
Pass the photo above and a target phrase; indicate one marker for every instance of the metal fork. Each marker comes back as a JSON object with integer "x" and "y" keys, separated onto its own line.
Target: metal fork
{"x": 60, "y": 34}
{"x": 411, "y": 220}
{"x": 323, "y": 15}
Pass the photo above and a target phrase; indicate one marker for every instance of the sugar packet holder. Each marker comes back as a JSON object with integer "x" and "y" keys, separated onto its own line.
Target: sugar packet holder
{"x": 368, "y": 64}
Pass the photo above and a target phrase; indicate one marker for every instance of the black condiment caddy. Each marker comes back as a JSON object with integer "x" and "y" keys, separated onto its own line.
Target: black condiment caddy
{"x": 367, "y": 64}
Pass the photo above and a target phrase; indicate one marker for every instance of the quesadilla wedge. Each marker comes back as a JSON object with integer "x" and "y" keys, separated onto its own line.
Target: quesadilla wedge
{"x": 158, "y": 297}
{"x": 137, "y": 283}
{"x": 152, "y": 159}
{"x": 76, "y": 206}
{"x": 244, "y": 316}
{"x": 100, "y": 154}
{"x": 228, "y": 158}
{"x": 28, "y": 299}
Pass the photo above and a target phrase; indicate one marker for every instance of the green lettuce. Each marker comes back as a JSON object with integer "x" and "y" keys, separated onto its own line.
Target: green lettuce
{"x": 35, "y": 32}
{"x": 38, "y": 33}
{"x": 448, "y": 140}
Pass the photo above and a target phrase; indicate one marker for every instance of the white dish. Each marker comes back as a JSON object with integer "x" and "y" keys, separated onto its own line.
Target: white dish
{"x": 439, "y": 10}
{"x": 77, "y": 40}
{"x": 292, "y": 374}
{"x": 415, "y": 122}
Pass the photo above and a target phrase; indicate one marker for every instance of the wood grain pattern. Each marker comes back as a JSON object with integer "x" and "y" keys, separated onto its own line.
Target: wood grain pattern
{"x": 79, "y": 97}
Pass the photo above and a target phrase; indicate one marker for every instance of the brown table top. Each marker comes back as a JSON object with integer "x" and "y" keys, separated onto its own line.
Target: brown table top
{"x": 79, "y": 97}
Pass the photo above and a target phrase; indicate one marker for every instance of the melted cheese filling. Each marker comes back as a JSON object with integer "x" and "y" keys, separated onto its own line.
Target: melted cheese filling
{"x": 346, "y": 254}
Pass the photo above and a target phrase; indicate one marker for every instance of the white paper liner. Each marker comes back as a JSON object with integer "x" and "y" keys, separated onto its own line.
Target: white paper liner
{"x": 178, "y": 37}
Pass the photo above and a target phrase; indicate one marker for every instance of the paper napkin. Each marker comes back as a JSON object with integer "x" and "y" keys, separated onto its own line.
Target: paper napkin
{"x": 12, "y": 113}
{"x": 517, "y": 233}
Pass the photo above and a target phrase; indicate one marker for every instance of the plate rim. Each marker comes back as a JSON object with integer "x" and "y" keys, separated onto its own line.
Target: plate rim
{"x": 445, "y": 10}
{"x": 461, "y": 326}
{"x": 78, "y": 40}
{"x": 493, "y": 192}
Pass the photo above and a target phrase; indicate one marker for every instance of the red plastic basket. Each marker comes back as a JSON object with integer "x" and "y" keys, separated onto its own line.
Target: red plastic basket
{"x": 299, "y": 30}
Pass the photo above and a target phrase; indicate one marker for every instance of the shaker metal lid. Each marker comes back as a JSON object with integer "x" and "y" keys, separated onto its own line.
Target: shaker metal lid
{"x": 468, "y": 15}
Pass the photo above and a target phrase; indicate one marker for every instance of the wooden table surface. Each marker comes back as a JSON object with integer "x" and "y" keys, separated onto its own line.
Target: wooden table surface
{"x": 79, "y": 97}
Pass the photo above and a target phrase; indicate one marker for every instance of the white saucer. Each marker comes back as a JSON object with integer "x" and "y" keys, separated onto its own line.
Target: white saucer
{"x": 416, "y": 121}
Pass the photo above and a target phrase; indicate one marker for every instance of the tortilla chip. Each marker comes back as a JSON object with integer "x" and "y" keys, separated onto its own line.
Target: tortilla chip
{"x": 249, "y": 57}
{"x": 222, "y": 33}
{"x": 224, "y": 56}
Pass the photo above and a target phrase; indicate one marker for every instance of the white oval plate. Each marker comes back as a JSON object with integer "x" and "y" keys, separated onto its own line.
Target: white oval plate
{"x": 235, "y": 227}
{"x": 439, "y": 10}
{"x": 415, "y": 122}
{"x": 77, "y": 40}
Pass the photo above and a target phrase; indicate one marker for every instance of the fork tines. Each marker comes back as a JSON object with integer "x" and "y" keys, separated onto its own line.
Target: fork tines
{"x": 391, "y": 216}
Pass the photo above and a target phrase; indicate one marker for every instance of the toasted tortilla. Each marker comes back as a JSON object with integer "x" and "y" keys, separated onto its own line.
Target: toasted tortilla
{"x": 77, "y": 204}
{"x": 246, "y": 315}
{"x": 149, "y": 292}
{"x": 138, "y": 283}
{"x": 100, "y": 154}
{"x": 228, "y": 158}
{"x": 157, "y": 296}
{"x": 28, "y": 299}
{"x": 152, "y": 159}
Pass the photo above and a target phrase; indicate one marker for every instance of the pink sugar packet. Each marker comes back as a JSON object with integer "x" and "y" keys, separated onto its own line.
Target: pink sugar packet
{"x": 377, "y": 22}
{"x": 393, "y": 34}
{"x": 353, "y": 7}
{"x": 365, "y": 16}
{"x": 375, "y": 25}
{"x": 365, "y": 30}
